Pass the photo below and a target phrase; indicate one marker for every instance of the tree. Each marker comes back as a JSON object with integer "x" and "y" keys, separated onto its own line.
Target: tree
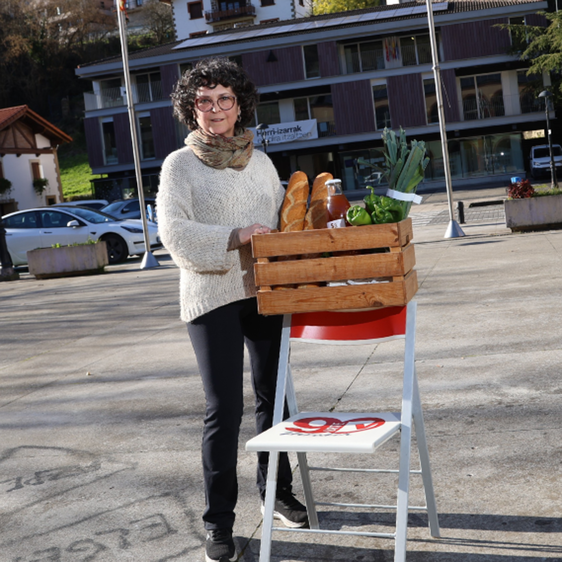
{"x": 541, "y": 47}
{"x": 332, "y": 6}
{"x": 159, "y": 20}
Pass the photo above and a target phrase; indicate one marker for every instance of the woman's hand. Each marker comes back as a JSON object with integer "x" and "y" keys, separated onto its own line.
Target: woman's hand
{"x": 245, "y": 234}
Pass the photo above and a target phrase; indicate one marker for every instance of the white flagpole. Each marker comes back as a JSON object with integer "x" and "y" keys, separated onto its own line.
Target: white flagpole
{"x": 148, "y": 260}
{"x": 453, "y": 230}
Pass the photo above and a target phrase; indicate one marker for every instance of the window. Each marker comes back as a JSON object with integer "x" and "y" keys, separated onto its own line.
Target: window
{"x": 362, "y": 57}
{"x": 267, "y": 3}
{"x": 36, "y": 170}
{"x": 195, "y": 10}
{"x": 149, "y": 87}
{"x": 311, "y": 61}
{"x": 482, "y": 96}
{"x": 186, "y": 66}
{"x": 111, "y": 94}
{"x": 432, "y": 113}
{"x": 320, "y": 108}
{"x": 382, "y": 112}
{"x": 268, "y": 113}
{"x": 518, "y": 35}
{"x": 528, "y": 100}
{"x": 415, "y": 50}
{"x": 1, "y": 170}
{"x": 54, "y": 219}
{"x": 146, "y": 137}
{"x": 109, "y": 142}
{"x": 301, "y": 2}
{"x": 22, "y": 220}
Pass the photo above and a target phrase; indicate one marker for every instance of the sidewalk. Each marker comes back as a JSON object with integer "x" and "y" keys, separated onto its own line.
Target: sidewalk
{"x": 101, "y": 410}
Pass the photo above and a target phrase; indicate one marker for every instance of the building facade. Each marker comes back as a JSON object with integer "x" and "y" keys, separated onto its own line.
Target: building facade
{"x": 329, "y": 85}
{"x": 28, "y": 152}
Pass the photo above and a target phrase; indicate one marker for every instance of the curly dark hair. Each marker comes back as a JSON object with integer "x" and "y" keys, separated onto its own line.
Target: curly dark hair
{"x": 209, "y": 73}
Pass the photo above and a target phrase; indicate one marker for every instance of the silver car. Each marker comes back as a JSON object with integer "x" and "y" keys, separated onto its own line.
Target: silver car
{"x": 44, "y": 227}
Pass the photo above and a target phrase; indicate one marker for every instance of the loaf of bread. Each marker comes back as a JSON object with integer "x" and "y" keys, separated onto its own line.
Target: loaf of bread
{"x": 293, "y": 210}
{"x": 317, "y": 214}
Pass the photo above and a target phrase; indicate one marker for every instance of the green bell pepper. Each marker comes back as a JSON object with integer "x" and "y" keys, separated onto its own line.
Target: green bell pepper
{"x": 371, "y": 200}
{"x": 357, "y": 216}
{"x": 387, "y": 210}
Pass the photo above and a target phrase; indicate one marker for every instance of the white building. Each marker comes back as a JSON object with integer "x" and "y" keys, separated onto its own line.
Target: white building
{"x": 199, "y": 17}
{"x": 28, "y": 152}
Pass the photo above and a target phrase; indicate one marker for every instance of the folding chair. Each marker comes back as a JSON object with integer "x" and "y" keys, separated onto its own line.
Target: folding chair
{"x": 364, "y": 432}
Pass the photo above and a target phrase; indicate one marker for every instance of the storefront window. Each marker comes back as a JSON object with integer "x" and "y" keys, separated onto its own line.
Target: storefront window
{"x": 477, "y": 156}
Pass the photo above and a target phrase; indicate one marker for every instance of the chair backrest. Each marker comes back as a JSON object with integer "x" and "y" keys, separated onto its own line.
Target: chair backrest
{"x": 348, "y": 328}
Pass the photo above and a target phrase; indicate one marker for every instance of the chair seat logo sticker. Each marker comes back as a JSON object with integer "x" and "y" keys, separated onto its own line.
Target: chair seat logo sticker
{"x": 331, "y": 426}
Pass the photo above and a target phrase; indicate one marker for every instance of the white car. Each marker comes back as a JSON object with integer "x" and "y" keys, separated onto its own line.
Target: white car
{"x": 44, "y": 227}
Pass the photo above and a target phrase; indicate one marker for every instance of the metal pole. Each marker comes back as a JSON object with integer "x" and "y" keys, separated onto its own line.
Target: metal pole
{"x": 553, "y": 179}
{"x": 148, "y": 260}
{"x": 453, "y": 230}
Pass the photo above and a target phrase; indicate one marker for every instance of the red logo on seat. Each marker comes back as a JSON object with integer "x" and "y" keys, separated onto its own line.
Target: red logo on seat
{"x": 334, "y": 425}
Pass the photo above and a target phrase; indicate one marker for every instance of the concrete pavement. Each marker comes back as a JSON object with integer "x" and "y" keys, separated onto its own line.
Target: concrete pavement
{"x": 101, "y": 410}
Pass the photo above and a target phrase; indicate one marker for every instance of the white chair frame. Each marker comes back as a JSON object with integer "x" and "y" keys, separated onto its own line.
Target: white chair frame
{"x": 410, "y": 417}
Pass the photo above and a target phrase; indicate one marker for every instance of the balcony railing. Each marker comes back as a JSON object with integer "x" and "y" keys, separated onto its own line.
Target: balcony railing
{"x": 215, "y": 16}
{"x": 112, "y": 97}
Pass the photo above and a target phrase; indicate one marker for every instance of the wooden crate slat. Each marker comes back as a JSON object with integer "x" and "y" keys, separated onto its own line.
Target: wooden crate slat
{"x": 335, "y": 268}
{"x": 332, "y": 239}
{"x": 348, "y": 297}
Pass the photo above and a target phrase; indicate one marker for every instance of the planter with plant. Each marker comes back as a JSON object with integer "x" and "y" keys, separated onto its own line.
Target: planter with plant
{"x": 66, "y": 261}
{"x": 529, "y": 209}
{"x": 5, "y": 186}
{"x": 40, "y": 184}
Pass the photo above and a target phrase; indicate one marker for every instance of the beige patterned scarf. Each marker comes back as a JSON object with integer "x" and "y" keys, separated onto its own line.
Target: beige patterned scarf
{"x": 221, "y": 152}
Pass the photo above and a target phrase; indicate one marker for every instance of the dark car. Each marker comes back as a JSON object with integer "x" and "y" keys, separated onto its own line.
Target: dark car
{"x": 127, "y": 208}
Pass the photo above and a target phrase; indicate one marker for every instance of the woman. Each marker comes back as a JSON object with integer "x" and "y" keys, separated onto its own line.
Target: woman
{"x": 214, "y": 194}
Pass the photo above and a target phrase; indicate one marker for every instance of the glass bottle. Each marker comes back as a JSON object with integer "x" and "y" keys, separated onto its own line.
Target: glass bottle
{"x": 337, "y": 204}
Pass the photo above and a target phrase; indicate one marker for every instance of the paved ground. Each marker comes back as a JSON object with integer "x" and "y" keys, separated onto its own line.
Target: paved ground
{"x": 101, "y": 408}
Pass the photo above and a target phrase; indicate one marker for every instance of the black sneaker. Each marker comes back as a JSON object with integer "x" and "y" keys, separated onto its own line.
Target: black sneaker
{"x": 219, "y": 546}
{"x": 289, "y": 510}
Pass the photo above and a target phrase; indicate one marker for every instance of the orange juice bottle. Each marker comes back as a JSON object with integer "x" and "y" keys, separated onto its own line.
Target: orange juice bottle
{"x": 337, "y": 204}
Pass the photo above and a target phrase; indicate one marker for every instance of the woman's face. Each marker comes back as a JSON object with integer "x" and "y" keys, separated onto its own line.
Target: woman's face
{"x": 216, "y": 120}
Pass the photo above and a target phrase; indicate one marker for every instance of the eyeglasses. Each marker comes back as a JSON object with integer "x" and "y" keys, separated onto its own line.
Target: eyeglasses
{"x": 206, "y": 104}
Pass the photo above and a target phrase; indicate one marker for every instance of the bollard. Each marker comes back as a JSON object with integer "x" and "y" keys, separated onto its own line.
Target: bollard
{"x": 460, "y": 211}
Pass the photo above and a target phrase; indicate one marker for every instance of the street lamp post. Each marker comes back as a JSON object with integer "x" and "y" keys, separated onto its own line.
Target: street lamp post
{"x": 261, "y": 128}
{"x": 547, "y": 95}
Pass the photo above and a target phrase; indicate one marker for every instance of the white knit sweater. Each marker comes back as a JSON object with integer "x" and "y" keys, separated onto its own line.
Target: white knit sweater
{"x": 198, "y": 207}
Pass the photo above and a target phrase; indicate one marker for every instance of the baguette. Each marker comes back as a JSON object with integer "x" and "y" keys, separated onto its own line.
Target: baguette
{"x": 317, "y": 215}
{"x": 293, "y": 210}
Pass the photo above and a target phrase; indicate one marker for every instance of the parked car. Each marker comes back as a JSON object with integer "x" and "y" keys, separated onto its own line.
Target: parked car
{"x": 127, "y": 208}
{"x": 45, "y": 226}
{"x": 540, "y": 160}
{"x": 90, "y": 203}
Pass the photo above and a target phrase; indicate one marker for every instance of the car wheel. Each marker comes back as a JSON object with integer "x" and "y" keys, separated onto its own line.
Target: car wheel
{"x": 116, "y": 248}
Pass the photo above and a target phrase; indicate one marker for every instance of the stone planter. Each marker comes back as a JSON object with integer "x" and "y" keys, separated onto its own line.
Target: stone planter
{"x": 534, "y": 213}
{"x": 84, "y": 259}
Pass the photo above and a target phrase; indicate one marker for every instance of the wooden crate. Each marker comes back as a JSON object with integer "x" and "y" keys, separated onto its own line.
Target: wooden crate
{"x": 288, "y": 260}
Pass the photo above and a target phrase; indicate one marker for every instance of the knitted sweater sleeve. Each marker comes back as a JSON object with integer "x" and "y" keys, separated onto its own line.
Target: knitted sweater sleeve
{"x": 193, "y": 245}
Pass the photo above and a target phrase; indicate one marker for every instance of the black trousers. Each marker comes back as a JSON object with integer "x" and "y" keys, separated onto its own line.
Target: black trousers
{"x": 218, "y": 339}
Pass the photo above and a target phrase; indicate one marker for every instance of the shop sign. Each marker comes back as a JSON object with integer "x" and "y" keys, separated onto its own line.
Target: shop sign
{"x": 287, "y": 132}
